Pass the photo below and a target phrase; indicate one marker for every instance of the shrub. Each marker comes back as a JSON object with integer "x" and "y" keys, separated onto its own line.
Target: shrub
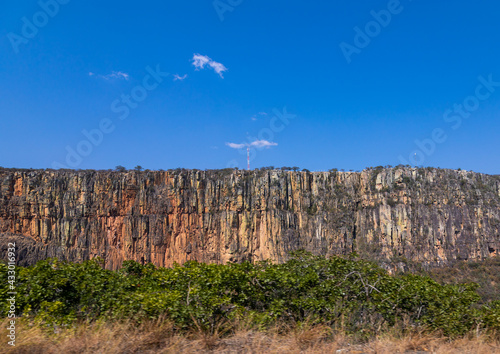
{"x": 208, "y": 297}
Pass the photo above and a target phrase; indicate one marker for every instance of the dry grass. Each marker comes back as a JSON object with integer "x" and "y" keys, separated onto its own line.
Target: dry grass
{"x": 160, "y": 337}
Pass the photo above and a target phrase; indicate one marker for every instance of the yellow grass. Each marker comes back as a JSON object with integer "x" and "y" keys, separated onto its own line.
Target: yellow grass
{"x": 159, "y": 337}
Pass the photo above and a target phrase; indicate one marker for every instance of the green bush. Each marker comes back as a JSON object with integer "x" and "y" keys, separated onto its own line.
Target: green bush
{"x": 353, "y": 293}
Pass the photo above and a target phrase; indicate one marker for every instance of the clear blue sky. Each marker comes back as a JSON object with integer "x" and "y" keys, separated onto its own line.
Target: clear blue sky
{"x": 61, "y": 72}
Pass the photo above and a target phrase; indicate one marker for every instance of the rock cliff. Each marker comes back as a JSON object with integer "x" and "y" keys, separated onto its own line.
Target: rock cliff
{"x": 428, "y": 216}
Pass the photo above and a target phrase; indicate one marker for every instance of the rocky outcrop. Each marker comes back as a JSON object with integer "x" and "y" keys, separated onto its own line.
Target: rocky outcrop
{"x": 428, "y": 216}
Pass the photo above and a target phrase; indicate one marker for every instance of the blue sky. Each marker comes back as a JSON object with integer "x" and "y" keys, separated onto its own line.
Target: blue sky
{"x": 317, "y": 85}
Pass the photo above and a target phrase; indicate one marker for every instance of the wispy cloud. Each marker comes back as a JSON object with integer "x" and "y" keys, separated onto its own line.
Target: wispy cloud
{"x": 180, "y": 78}
{"x": 256, "y": 143}
{"x": 218, "y": 67}
{"x": 200, "y": 61}
{"x": 114, "y": 75}
{"x": 263, "y": 143}
{"x": 236, "y": 146}
{"x": 254, "y": 117}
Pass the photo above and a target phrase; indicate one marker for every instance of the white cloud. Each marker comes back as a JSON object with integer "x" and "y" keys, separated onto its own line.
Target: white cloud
{"x": 263, "y": 143}
{"x": 180, "y": 78}
{"x": 236, "y": 146}
{"x": 257, "y": 143}
{"x": 254, "y": 118}
{"x": 199, "y": 61}
{"x": 114, "y": 75}
{"x": 218, "y": 67}
{"x": 263, "y": 113}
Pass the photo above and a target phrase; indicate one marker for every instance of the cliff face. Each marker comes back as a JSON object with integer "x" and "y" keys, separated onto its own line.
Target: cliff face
{"x": 425, "y": 215}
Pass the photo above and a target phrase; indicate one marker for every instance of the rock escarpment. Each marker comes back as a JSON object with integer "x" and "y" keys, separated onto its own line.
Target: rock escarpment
{"x": 429, "y": 216}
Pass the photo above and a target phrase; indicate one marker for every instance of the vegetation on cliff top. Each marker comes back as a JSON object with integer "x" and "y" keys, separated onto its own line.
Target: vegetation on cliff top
{"x": 347, "y": 293}
{"x": 139, "y": 168}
